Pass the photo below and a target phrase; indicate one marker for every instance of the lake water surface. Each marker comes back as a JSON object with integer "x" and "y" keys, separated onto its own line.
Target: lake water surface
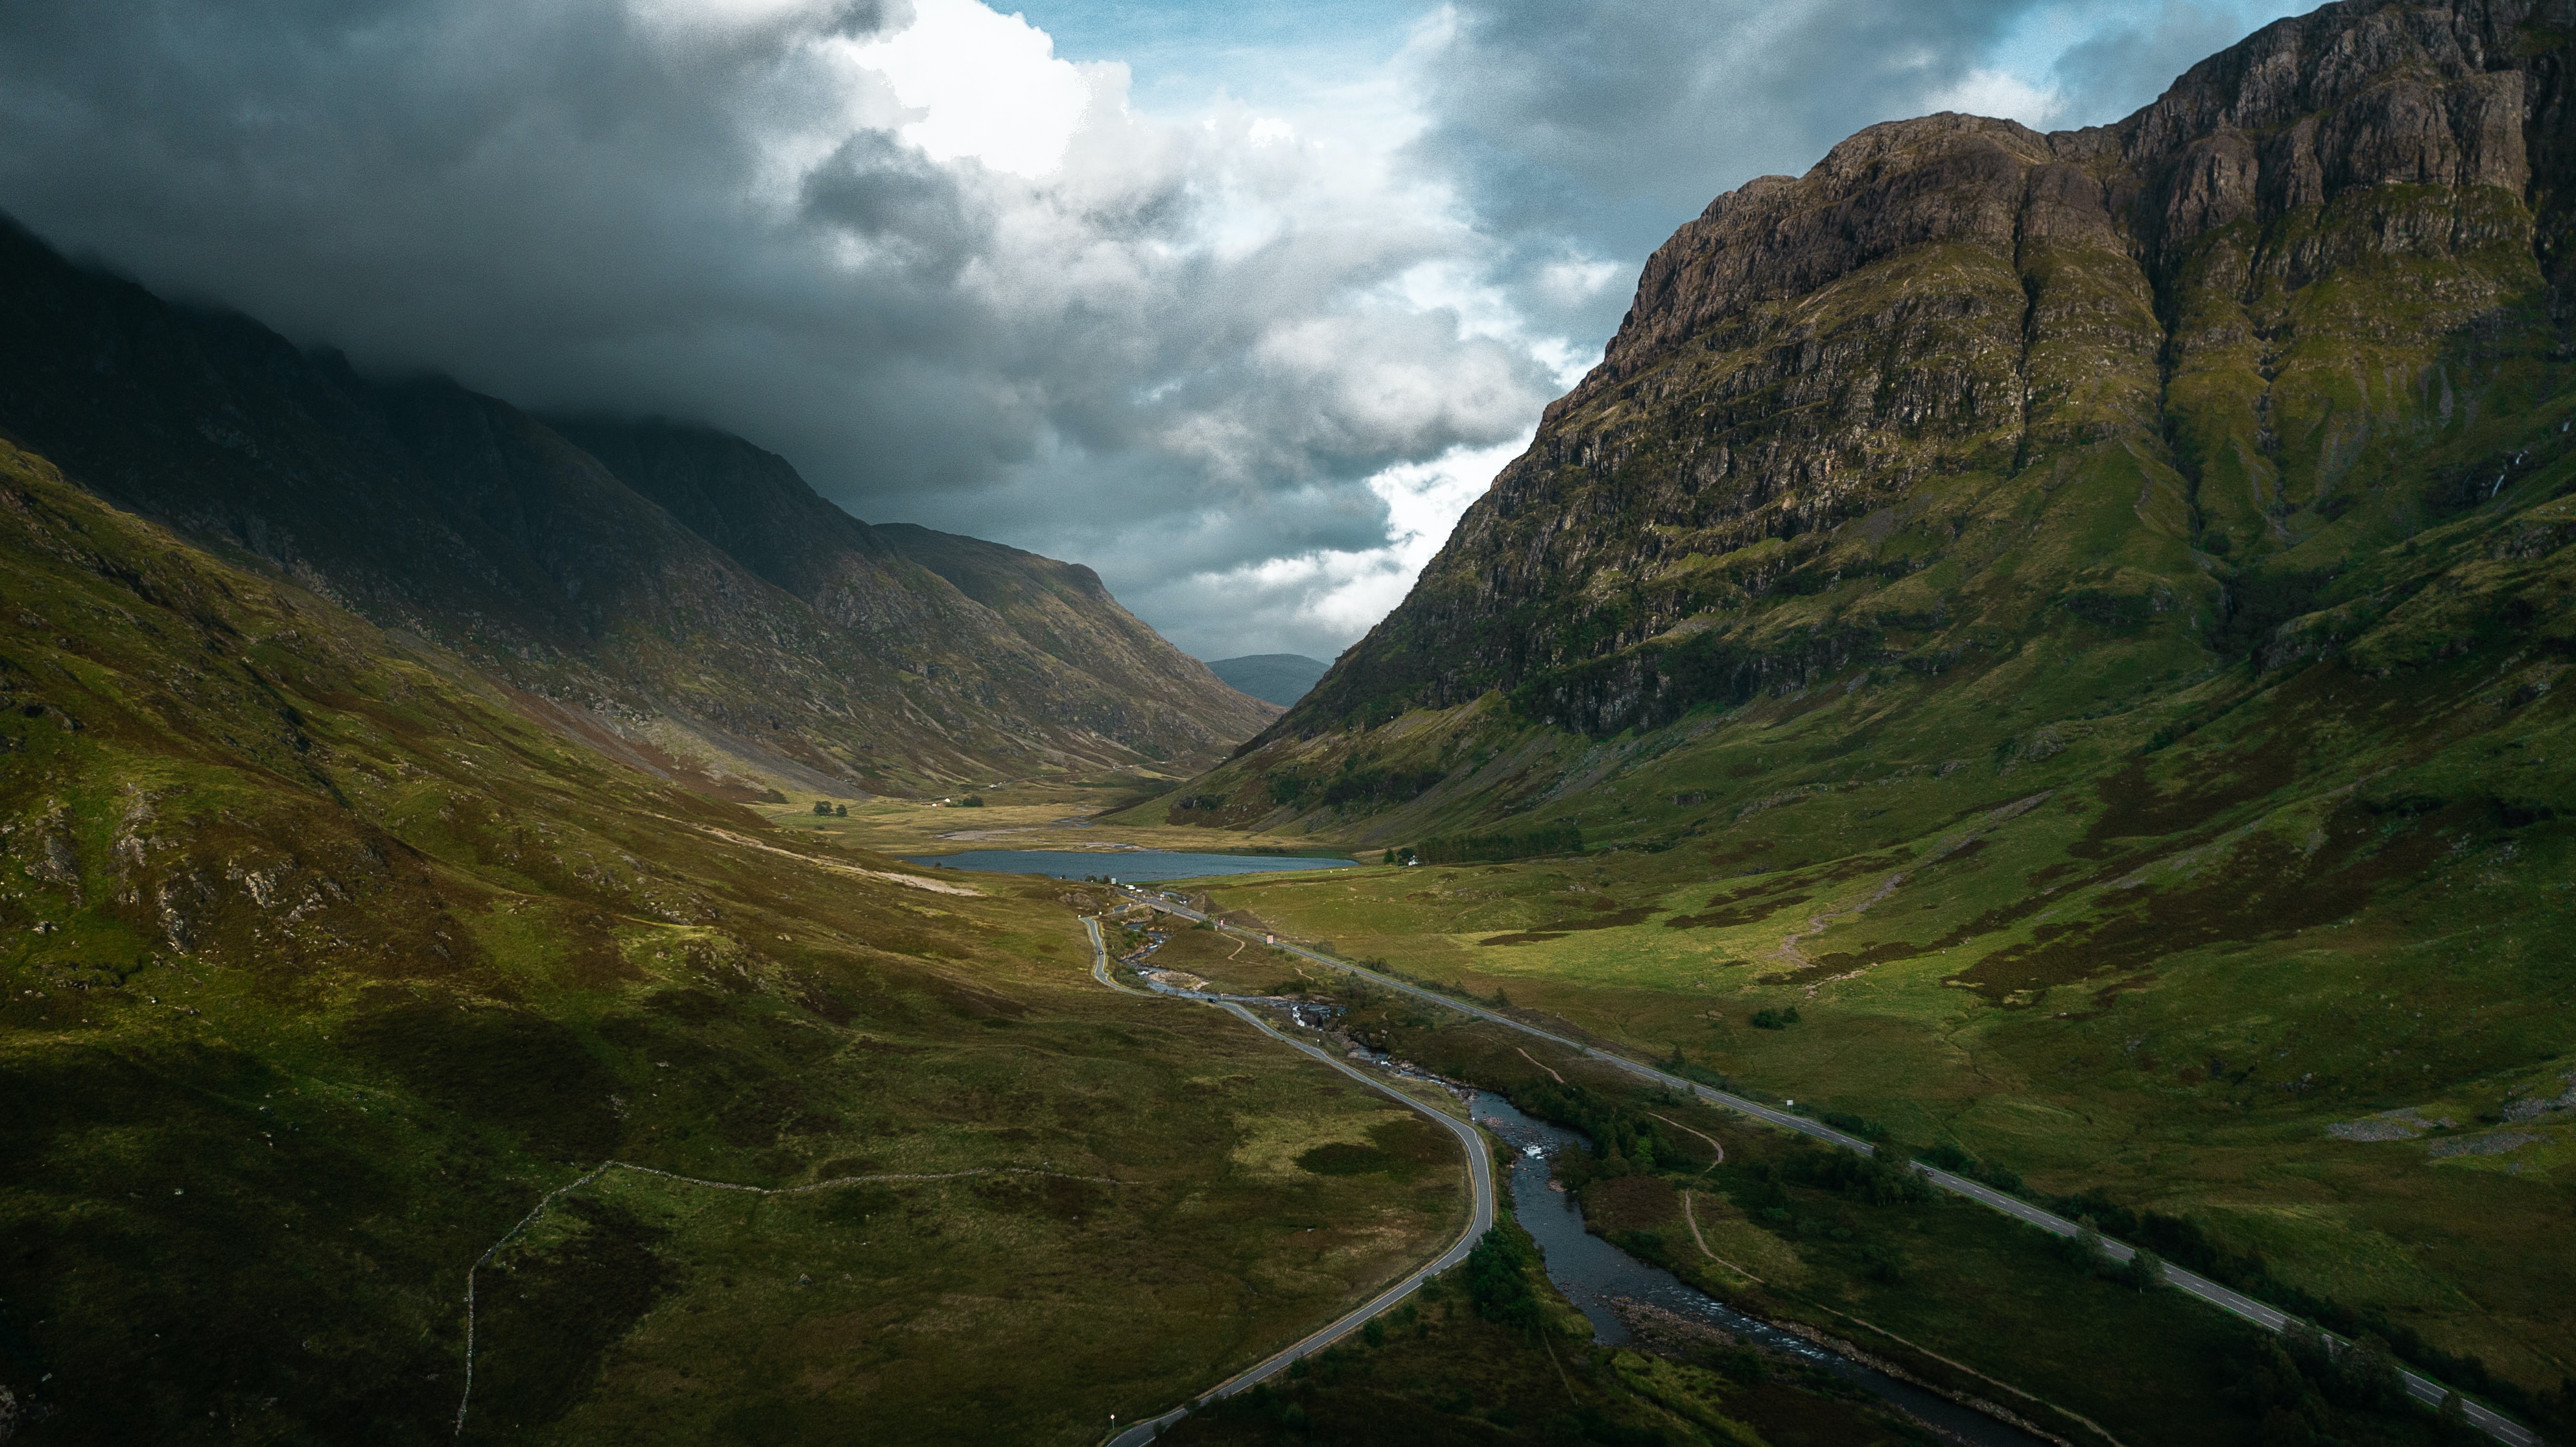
{"x": 1592, "y": 1273}
{"x": 1127, "y": 866}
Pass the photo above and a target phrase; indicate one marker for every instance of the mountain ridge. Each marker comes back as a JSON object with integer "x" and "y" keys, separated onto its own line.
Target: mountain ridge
{"x": 793, "y": 643}
{"x": 2083, "y": 621}
{"x": 1064, "y": 611}
{"x": 2092, "y": 238}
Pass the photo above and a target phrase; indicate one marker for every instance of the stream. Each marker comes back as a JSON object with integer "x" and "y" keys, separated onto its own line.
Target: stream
{"x": 1592, "y": 1273}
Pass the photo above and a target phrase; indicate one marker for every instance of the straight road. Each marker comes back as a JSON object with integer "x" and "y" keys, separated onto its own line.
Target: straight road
{"x": 2423, "y": 1389}
{"x": 1480, "y": 1218}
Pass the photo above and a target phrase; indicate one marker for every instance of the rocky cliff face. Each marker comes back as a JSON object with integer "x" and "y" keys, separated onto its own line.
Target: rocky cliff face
{"x": 675, "y": 585}
{"x": 2048, "y": 605}
{"x": 2143, "y": 400}
{"x": 2260, "y": 323}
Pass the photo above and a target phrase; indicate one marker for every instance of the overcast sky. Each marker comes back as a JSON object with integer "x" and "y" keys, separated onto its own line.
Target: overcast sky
{"x": 1240, "y": 305}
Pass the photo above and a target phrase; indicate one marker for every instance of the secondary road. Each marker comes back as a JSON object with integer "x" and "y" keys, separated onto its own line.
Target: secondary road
{"x": 2423, "y": 1389}
{"x": 1480, "y": 1218}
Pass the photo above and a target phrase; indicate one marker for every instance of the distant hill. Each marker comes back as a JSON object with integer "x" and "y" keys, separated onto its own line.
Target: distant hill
{"x": 1064, "y": 611}
{"x": 672, "y": 585}
{"x": 1280, "y": 678}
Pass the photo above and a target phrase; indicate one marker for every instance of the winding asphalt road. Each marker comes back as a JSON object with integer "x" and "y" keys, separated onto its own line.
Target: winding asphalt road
{"x": 1480, "y": 1177}
{"x": 2423, "y": 1389}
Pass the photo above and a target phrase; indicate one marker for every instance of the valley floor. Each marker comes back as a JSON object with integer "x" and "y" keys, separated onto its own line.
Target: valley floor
{"x": 2270, "y": 1096}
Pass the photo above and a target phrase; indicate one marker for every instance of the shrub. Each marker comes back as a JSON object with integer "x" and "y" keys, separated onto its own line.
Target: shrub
{"x": 1855, "y": 1125}
{"x": 2362, "y": 1375}
{"x": 1871, "y": 1179}
{"x": 1497, "y": 1274}
{"x": 1775, "y": 1019}
{"x": 1495, "y": 848}
{"x": 2084, "y": 1250}
{"x": 1617, "y": 1133}
{"x": 1949, "y": 1157}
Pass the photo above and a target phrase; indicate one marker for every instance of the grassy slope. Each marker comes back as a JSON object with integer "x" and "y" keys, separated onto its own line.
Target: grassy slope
{"x": 1441, "y": 1376}
{"x": 319, "y": 968}
{"x": 1953, "y": 1295}
{"x": 2163, "y": 973}
{"x": 2139, "y": 791}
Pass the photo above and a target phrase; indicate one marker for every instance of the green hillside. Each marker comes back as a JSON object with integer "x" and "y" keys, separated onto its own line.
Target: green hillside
{"x": 2080, "y": 617}
{"x": 673, "y": 593}
{"x": 322, "y": 968}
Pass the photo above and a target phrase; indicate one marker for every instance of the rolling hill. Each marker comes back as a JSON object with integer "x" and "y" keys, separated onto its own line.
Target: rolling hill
{"x": 383, "y": 1065}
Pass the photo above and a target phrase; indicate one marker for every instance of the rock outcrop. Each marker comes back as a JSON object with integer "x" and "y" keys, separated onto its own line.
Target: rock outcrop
{"x": 2262, "y": 322}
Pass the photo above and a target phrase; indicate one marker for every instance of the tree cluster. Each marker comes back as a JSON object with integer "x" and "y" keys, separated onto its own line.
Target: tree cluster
{"x": 1957, "y": 1162}
{"x": 1566, "y": 838}
{"x": 1497, "y": 1279}
{"x": 1623, "y": 1140}
{"x": 2291, "y": 1381}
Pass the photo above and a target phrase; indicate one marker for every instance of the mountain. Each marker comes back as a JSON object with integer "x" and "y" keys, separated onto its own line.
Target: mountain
{"x": 1280, "y": 678}
{"x": 1062, "y": 610}
{"x": 334, "y": 991}
{"x": 2056, "y": 645}
{"x": 672, "y": 593}
{"x": 2003, "y": 436}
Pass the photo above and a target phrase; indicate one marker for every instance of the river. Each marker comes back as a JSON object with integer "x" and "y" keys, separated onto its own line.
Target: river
{"x": 1592, "y": 1273}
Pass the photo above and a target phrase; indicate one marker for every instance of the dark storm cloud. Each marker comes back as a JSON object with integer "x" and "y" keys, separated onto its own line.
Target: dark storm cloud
{"x": 590, "y": 204}
{"x": 1610, "y": 122}
{"x": 2129, "y": 61}
{"x": 1188, "y": 332}
{"x": 1613, "y": 120}
{"x": 878, "y": 188}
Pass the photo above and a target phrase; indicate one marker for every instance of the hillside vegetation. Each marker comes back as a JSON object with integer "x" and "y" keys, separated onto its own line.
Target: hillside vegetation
{"x": 672, "y": 593}
{"x": 2082, "y": 617}
{"x": 323, "y": 969}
